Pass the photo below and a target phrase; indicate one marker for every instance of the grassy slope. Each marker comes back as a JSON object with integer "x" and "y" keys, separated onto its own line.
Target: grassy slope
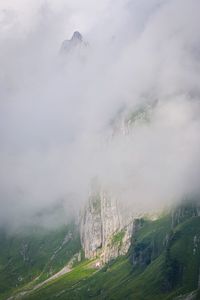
{"x": 16, "y": 269}
{"x": 172, "y": 268}
{"x": 67, "y": 286}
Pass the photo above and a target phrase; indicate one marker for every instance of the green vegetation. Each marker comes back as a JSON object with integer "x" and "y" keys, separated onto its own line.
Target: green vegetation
{"x": 163, "y": 262}
{"x": 65, "y": 287}
{"x": 35, "y": 253}
{"x": 142, "y": 114}
{"x": 118, "y": 237}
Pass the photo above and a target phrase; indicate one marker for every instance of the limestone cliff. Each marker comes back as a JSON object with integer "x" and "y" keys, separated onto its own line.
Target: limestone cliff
{"x": 106, "y": 230}
{"x": 104, "y": 233}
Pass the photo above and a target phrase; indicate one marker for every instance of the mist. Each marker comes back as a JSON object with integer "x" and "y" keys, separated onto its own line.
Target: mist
{"x": 57, "y": 110}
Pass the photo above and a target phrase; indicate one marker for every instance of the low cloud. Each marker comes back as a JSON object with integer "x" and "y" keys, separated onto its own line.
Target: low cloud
{"x": 62, "y": 116}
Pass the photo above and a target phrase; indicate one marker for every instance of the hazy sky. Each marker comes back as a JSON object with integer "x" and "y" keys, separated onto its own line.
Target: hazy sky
{"x": 56, "y": 111}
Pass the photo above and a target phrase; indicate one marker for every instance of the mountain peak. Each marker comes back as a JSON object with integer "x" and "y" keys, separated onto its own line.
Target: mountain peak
{"x": 76, "y": 41}
{"x": 77, "y": 36}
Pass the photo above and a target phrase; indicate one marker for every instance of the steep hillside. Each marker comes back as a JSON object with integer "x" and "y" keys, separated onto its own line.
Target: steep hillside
{"x": 163, "y": 262}
{"x": 35, "y": 254}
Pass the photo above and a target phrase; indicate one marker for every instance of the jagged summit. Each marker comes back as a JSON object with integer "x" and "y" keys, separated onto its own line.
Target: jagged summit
{"x": 75, "y": 43}
{"x": 77, "y": 36}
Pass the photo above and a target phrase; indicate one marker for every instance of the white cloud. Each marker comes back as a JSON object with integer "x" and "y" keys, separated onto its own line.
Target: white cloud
{"x": 55, "y": 112}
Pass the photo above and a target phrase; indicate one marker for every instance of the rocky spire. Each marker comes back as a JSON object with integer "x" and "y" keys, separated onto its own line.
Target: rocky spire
{"x": 75, "y": 42}
{"x": 77, "y": 36}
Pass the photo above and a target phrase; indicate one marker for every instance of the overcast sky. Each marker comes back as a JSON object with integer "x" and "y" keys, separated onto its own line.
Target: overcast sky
{"x": 56, "y": 110}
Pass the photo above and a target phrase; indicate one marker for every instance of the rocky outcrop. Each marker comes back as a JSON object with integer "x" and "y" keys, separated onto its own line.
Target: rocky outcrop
{"x": 117, "y": 244}
{"x": 75, "y": 44}
{"x": 125, "y": 122}
{"x": 186, "y": 210}
{"x": 104, "y": 233}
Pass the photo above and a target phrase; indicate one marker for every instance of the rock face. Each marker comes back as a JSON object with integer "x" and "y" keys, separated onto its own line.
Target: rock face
{"x": 103, "y": 232}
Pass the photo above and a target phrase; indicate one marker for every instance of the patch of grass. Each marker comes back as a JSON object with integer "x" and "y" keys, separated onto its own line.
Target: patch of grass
{"x": 118, "y": 238}
{"x": 65, "y": 287}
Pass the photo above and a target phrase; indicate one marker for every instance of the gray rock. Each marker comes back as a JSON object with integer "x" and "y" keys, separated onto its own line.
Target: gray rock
{"x": 103, "y": 232}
